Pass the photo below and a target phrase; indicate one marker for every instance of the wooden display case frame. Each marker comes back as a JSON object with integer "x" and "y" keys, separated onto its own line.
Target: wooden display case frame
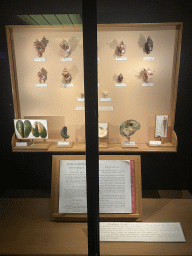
{"x": 55, "y": 216}
{"x": 170, "y": 146}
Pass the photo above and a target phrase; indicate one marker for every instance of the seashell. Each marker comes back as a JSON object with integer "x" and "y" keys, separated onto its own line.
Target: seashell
{"x": 66, "y": 47}
{"x": 67, "y": 76}
{"x": 164, "y": 124}
{"x": 102, "y": 132}
{"x": 149, "y": 45}
{"x": 122, "y": 48}
{"x": 105, "y": 94}
{"x": 129, "y": 127}
{"x": 120, "y": 77}
{"x": 40, "y": 46}
{"x": 64, "y": 132}
{"x": 148, "y": 74}
{"x": 42, "y": 75}
{"x": 20, "y": 128}
{"x": 38, "y": 129}
{"x": 27, "y": 128}
{"x": 23, "y": 129}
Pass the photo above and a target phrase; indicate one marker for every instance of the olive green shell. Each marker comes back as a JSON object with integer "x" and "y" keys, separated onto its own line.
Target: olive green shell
{"x": 38, "y": 129}
{"x": 20, "y": 128}
{"x": 42, "y": 130}
{"x": 27, "y": 128}
{"x": 34, "y": 130}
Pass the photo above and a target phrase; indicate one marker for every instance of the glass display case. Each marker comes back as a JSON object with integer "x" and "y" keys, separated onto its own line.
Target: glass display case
{"x": 138, "y": 67}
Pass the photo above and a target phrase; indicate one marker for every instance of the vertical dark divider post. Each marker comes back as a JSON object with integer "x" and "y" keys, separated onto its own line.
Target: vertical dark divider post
{"x": 89, "y": 11}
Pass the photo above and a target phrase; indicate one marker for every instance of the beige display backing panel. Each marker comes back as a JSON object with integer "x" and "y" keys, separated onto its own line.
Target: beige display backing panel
{"x": 131, "y": 102}
{"x": 55, "y": 216}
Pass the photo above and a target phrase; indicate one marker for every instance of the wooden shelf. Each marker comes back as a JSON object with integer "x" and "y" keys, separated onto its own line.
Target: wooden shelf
{"x": 26, "y": 229}
{"x": 111, "y": 148}
{"x": 52, "y": 147}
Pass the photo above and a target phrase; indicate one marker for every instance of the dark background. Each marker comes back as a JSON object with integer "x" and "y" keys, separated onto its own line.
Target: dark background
{"x": 159, "y": 170}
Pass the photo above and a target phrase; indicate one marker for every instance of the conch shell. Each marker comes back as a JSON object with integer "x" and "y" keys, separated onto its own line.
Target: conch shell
{"x": 40, "y": 46}
{"x": 129, "y": 127}
{"x": 122, "y": 48}
{"x": 67, "y": 76}
{"x": 42, "y": 75}
{"x": 66, "y": 47}
{"x": 149, "y": 45}
{"x": 148, "y": 74}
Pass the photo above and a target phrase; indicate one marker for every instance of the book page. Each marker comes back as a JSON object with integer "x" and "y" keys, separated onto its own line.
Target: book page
{"x": 114, "y": 188}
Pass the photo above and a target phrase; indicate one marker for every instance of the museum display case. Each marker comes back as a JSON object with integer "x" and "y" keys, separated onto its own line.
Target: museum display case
{"x": 138, "y": 69}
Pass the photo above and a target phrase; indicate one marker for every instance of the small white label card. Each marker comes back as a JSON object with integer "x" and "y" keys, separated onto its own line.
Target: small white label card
{"x": 105, "y": 99}
{"x": 120, "y": 58}
{"x": 60, "y": 143}
{"x": 105, "y": 108}
{"x": 149, "y": 58}
{"x": 166, "y": 232}
{"x": 98, "y": 85}
{"x": 67, "y": 85}
{"x": 129, "y": 143}
{"x": 21, "y": 144}
{"x": 120, "y": 84}
{"x": 155, "y": 143}
{"x": 147, "y": 84}
{"x": 39, "y": 59}
{"x": 41, "y": 85}
{"x": 80, "y": 99}
{"x": 79, "y": 108}
{"x": 66, "y": 59}
{"x": 98, "y": 58}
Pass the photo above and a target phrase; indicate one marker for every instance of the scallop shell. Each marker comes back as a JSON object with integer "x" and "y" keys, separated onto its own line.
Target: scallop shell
{"x": 129, "y": 127}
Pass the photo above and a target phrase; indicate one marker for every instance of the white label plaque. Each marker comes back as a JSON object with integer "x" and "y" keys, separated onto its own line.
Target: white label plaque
{"x": 157, "y": 143}
{"x": 149, "y": 58}
{"x": 21, "y": 144}
{"x": 105, "y": 108}
{"x": 67, "y": 85}
{"x": 129, "y": 143}
{"x": 120, "y": 84}
{"x": 41, "y": 85}
{"x": 141, "y": 232}
{"x": 79, "y": 108}
{"x": 60, "y": 143}
{"x": 120, "y": 58}
{"x": 105, "y": 99}
{"x": 66, "y": 59}
{"x": 80, "y": 99}
{"x": 39, "y": 59}
{"x": 147, "y": 84}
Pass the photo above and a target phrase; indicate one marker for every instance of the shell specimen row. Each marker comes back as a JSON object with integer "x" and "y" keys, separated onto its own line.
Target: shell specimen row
{"x": 42, "y": 75}
{"x": 41, "y": 45}
{"x": 25, "y": 128}
{"x": 121, "y": 48}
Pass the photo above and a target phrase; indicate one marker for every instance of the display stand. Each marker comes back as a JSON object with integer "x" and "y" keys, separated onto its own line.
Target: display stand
{"x": 136, "y": 215}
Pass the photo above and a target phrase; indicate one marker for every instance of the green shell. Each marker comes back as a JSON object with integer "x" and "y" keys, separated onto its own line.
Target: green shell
{"x": 27, "y": 128}
{"x": 20, "y": 128}
{"x": 64, "y": 133}
{"x": 129, "y": 127}
{"x": 34, "y": 130}
{"x": 42, "y": 130}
